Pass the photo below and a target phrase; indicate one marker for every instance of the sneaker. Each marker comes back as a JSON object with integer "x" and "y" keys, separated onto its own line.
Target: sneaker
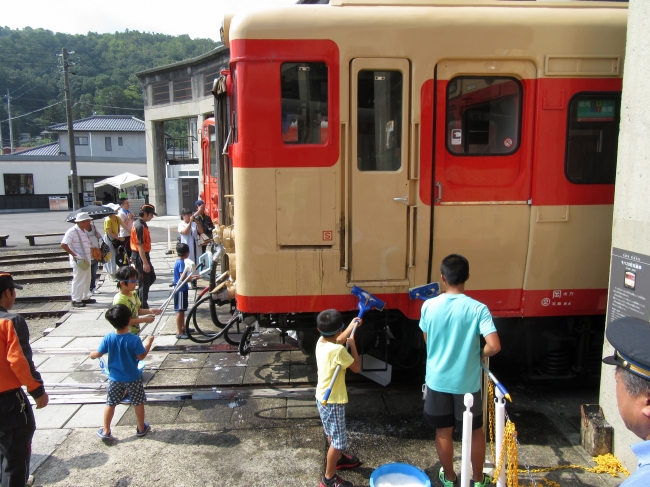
{"x": 487, "y": 480}
{"x": 146, "y": 430}
{"x": 89, "y": 301}
{"x": 104, "y": 436}
{"x": 30, "y": 481}
{"x": 78, "y": 304}
{"x": 182, "y": 336}
{"x": 445, "y": 482}
{"x": 347, "y": 461}
{"x": 335, "y": 482}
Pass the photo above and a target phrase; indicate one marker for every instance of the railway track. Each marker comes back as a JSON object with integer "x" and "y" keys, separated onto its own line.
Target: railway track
{"x": 95, "y": 393}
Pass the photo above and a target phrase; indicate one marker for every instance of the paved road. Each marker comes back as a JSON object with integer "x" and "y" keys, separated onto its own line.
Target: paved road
{"x": 17, "y": 225}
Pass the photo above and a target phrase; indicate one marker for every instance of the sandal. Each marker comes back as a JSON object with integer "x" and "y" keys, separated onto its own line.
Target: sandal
{"x": 104, "y": 436}
{"x": 146, "y": 430}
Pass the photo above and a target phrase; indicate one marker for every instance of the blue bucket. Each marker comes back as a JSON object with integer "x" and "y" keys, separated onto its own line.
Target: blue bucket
{"x": 403, "y": 468}
{"x": 104, "y": 366}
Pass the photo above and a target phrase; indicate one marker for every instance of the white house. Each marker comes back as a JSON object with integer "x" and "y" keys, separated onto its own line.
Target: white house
{"x": 105, "y": 145}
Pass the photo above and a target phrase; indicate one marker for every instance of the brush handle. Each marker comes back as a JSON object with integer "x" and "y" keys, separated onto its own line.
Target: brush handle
{"x": 337, "y": 370}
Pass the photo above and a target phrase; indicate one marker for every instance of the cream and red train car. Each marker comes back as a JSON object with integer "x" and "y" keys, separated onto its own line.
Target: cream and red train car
{"x": 369, "y": 140}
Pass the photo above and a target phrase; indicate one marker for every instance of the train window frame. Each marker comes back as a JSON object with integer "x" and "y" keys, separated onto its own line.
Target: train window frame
{"x": 519, "y": 112}
{"x": 284, "y": 113}
{"x": 617, "y": 96}
{"x": 391, "y": 131}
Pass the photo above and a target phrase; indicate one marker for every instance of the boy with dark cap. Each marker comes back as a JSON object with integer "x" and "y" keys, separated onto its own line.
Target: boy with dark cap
{"x": 140, "y": 242}
{"x": 17, "y": 423}
{"x": 330, "y": 352}
{"x": 630, "y": 338}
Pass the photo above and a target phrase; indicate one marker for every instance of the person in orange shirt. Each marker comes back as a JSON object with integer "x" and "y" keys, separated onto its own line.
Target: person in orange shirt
{"x": 141, "y": 246}
{"x": 17, "y": 424}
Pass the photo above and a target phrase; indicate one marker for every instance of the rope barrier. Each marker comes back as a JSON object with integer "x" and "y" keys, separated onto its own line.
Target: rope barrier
{"x": 605, "y": 464}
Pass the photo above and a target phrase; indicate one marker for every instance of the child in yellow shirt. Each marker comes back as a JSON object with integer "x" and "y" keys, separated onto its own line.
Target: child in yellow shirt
{"x": 330, "y": 352}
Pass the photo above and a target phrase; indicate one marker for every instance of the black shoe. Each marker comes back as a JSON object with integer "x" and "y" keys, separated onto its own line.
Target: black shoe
{"x": 78, "y": 304}
{"x": 89, "y": 301}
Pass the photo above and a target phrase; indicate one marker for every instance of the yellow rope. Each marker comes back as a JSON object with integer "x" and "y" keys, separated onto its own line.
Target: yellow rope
{"x": 604, "y": 463}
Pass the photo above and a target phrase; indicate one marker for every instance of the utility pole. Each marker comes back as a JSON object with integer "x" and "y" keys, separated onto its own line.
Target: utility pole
{"x": 11, "y": 131}
{"x": 68, "y": 111}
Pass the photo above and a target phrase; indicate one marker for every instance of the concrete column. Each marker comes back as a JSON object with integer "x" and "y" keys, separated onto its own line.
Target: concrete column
{"x": 631, "y": 227}
{"x": 156, "y": 164}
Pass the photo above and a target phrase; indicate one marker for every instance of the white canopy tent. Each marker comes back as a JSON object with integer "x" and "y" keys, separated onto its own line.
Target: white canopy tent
{"x": 122, "y": 181}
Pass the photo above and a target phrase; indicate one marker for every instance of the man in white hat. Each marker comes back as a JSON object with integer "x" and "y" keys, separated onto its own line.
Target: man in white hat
{"x": 77, "y": 243}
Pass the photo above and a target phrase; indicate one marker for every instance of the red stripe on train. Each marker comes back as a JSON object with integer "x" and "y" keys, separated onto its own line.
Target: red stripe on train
{"x": 501, "y": 302}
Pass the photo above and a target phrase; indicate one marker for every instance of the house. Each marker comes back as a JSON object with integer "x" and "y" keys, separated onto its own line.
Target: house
{"x": 105, "y": 145}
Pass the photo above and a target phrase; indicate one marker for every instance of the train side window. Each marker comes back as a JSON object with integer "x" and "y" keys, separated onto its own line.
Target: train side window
{"x": 483, "y": 115}
{"x": 379, "y": 115}
{"x": 304, "y": 103}
{"x": 592, "y": 138}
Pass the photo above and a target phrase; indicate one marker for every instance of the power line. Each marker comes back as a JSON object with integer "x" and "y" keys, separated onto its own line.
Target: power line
{"x": 39, "y": 110}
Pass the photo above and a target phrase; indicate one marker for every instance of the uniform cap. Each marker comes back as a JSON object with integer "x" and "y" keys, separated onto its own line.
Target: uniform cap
{"x": 149, "y": 209}
{"x": 630, "y": 338}
{"x": 199, "y": 202}
{"x": 7, "y": 282}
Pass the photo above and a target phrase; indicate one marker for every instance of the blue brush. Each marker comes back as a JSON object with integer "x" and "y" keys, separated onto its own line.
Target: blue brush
{"x": 366, "y": 302}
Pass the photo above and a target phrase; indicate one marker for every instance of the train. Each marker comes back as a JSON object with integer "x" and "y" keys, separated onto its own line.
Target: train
{"x": 359, "y": 142}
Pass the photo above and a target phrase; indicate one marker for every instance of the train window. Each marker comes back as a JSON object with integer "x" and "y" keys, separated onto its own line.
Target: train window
{"x": 379, "y": 115}
{"x": 592, "y": 138}
{"x": 304, "y": 103}
{"x": 483, "y": 115}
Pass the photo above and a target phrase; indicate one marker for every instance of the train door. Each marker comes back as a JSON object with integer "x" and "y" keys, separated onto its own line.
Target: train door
{"x": 379, "y": 169}
{"x": 482, "y": 178}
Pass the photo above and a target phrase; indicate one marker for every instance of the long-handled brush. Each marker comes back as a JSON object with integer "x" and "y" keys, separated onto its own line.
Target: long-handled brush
{"x": 366, "y": 302}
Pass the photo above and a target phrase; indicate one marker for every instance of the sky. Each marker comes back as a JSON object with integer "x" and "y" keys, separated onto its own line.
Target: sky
{"x": 198, "y": 19}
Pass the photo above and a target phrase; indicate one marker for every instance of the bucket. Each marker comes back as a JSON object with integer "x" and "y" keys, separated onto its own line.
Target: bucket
{"x": 103, "y": 364}
{"x": 403, "y": 469}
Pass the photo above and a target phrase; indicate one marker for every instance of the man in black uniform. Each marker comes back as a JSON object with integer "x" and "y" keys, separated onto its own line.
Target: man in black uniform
{"x": 17, "y": 423}
{"x": 140, "y": 248}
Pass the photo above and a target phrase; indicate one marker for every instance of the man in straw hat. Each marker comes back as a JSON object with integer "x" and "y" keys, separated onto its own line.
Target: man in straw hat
{"x": 77, "y": 243}
{"x": 17, "y": 423}
{"x": 630, "y": 338}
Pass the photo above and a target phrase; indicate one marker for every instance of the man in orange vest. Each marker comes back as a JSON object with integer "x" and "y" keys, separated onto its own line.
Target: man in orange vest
{"x": 17, "y": 423}
{"x": 140, "y": 248}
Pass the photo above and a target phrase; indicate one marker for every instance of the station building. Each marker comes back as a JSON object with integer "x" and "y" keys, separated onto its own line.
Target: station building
{"x": 105, "y": 145}
{"x": 178, "y": 91}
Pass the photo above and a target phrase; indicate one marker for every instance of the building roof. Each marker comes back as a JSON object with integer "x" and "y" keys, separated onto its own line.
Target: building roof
{"x": 103, "y": 123}
{"x": 51, "y": 149}
{"x": 215, "y": 53}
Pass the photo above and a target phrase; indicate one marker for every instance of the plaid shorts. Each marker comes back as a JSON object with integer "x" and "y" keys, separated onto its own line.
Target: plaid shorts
{"x": 333, "y": 418}
{"x": 116, "y": 392}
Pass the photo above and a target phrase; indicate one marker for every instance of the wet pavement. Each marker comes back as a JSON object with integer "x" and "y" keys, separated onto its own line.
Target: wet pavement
{"x": 260, "y": 435}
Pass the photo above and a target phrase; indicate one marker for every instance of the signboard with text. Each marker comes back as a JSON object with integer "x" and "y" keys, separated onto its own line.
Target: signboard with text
{"x": 629, "y": 286}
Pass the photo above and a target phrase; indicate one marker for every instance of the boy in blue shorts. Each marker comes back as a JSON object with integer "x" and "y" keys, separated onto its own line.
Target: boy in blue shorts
{"x": 124, "y": 350}
{"x": 181, "y": 298}
{"x": 330, "y": 352}
{"x": 452, "y": 324}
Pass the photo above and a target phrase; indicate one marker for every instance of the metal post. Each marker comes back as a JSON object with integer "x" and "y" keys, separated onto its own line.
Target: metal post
{"x": 499, "y": 428}
{"x": 466, "y": 462}
{"x": 68, "y": 111}
{"x": 11, "y": 129}
{"x": 2, "y": 145}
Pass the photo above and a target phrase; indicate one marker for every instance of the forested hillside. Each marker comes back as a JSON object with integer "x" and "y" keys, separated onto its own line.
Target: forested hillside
{"x": 104, "y": 78}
